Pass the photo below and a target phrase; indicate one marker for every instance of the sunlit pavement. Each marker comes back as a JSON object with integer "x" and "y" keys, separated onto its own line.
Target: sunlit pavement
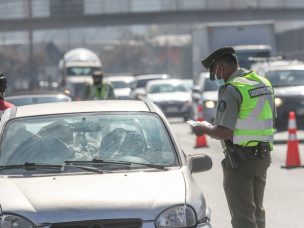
{"x": 284, "y": 194}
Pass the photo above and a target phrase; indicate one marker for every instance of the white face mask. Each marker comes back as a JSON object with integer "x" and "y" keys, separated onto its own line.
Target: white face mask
{"x": 219, "y": 81}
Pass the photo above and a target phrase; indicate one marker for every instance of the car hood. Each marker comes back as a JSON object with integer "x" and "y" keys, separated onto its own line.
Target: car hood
{"x": 96, "y": 196}
{"x": 123, "y": 92}
{"x": 210, "y": 95}
{"x": 289, "y": 91}
{"x": 178, "y": 96}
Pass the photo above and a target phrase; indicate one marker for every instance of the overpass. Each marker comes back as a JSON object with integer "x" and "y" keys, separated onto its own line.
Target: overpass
{"x": 145, "y": 18}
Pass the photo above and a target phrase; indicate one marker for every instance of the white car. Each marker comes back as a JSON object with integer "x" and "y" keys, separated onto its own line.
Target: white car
{"x": 97, "y": 164}
{"x": 122, "y": 86}
{"x": 205, "y": 95}
{"x": 172, "y": 97}
{"x": 141, "y": 82}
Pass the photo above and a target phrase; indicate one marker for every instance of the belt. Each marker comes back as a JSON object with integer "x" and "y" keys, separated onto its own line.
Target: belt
{"x": 260, "y": 150}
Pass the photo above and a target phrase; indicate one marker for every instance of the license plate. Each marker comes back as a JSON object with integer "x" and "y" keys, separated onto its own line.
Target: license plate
{"x": 172, "y": 109}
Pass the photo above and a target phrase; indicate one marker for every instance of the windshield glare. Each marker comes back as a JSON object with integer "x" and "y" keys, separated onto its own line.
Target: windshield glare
{"x": 286, "y": 78}
{"x": 138, "y": 138}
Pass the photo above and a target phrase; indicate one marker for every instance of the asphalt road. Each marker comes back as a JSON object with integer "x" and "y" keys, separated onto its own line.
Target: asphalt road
{"x": 284, "y": 194}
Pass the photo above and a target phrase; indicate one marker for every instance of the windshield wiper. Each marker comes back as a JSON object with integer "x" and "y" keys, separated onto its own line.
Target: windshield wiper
{"x": 116, "y": 162}
{"x": 33, "y": 166}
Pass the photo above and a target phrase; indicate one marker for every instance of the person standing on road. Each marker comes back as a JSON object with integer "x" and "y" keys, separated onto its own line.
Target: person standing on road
{"x": 3, "y": 85}
{"x": 245, "y": 125}
{"x": 100, "y": 90}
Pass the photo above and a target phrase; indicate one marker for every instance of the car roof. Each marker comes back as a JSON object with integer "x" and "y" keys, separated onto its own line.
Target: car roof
{"x": 286, "y": 67}
{"x": 120, "y": 78}
{"x": 82, "y": 106}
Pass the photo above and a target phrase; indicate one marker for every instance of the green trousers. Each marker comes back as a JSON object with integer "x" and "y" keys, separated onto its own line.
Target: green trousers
{"x": 244, "y": 189}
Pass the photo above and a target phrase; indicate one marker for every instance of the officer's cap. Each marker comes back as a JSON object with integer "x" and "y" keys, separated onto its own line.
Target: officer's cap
{"x": 216, "y": 55}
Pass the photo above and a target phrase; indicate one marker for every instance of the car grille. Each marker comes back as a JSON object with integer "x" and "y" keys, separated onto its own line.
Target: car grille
{"x": 111, "y": 223}
{"x": 166, "y": 105}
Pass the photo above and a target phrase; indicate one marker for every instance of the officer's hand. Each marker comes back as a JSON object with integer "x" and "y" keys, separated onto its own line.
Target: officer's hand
{"x": 198, "y": 130}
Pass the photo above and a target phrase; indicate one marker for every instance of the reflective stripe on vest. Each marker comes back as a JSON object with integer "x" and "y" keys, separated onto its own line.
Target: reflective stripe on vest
{"x": 257, "y": 92}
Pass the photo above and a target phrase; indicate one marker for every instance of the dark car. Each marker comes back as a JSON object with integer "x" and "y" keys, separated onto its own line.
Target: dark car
{"x": 288, "y": 84}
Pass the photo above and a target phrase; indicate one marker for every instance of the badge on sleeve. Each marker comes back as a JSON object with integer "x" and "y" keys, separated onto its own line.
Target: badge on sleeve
{"x": 221, "y": 106}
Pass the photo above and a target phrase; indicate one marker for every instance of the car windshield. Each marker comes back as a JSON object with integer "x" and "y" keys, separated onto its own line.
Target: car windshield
{"x": 119, "y": 84}
{"x": 81, "y": 71}
{"x": 167, "y": 88}
{"x": 36, "y": 100}
{"x": 282, "y": 78}
{"x": 116, "y": 136}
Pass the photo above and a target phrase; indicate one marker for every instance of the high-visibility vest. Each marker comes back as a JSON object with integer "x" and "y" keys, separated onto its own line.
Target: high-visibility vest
{"x": 255, "y": 118}
{"x": 97, "y": 94}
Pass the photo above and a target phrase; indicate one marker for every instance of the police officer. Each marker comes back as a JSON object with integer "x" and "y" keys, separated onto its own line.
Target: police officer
{"x": 3, "y": 85}
{"x": 100, "y": 90}
{"x": 245, "y": 125}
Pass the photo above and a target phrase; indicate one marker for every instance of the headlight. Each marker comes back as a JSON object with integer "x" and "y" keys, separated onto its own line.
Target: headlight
{"x": 15, "y": 221}
{"x": 278, "y": 101}
{"x": 178, "y": 216}
{"x": 210, "y": 104}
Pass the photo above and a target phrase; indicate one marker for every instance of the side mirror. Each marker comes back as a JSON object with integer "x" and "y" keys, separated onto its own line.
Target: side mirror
{"x": 199, "y": 163}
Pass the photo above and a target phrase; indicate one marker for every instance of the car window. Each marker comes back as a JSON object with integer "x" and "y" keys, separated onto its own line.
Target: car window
{"x": 119, "y": 84}
{"x": 142, "y": 82}
{"x": 282, "y": 78}
{"x": 115, "y": 136}
{"x": 167, "y": 88}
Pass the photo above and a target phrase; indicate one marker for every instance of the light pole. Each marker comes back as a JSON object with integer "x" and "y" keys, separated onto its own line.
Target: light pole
{"x": 30, "y": 40}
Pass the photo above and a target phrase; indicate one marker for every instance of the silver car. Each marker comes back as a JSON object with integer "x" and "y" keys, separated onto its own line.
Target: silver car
{"x": 172, "y": 97}
{"x": 37, "y": 98}
{"x": 96, "y": 164}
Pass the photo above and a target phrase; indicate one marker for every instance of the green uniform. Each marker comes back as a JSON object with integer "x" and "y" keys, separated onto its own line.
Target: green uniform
{"x": 103, "y": 92}
{"x": 244, "y": 187}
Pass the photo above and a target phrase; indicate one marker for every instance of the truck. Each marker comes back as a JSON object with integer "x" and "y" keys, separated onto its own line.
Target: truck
{"x": 250, "y": 40}
{"x": 76, "y": 68}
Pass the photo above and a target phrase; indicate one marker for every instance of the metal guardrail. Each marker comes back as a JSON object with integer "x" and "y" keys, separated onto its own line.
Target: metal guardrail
{"x": 16, "y": 9}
